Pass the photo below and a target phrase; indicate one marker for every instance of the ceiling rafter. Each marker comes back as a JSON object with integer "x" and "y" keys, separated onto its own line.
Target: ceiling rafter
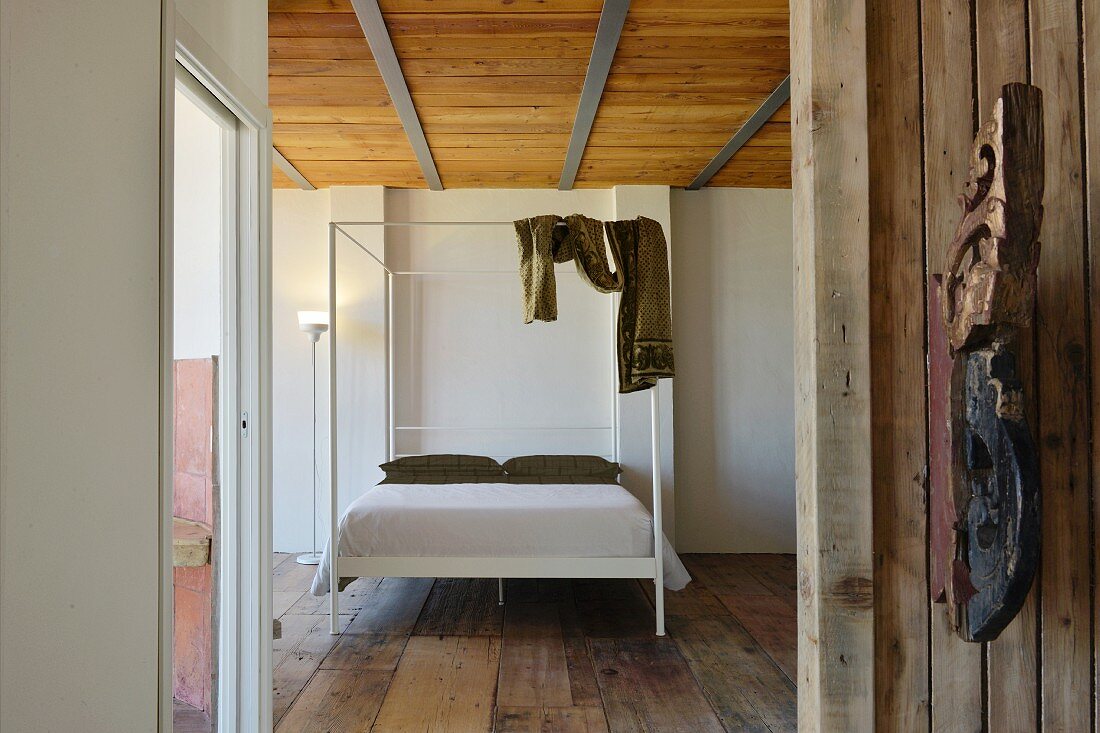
{"x": 381, "y": 47}
{"x": 764, "y": 113}
{"x": 612, "y": 18}
{"x": 291, "y": 172}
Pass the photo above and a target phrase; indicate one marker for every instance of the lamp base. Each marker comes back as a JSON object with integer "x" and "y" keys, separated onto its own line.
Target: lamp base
{"x": 309, "y": 558}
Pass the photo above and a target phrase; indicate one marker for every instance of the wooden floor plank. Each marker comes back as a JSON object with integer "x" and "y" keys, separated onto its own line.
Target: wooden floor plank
{"x": 534, "y": 671}
{"x": 776, "y": 572}
{"x": 337, "y": 702}
{"x": 462, "y": 607}
{"x": 694, "y": 600}
{"x": 284, "y": 600}
{"x": 292, "y": 576}
{"x": 299, "y": 664}
{"x": 442, "y": 684}
{"x": 773, "y": 623}
{"x": 366, "y": 652}
{"x": 722, "y": 575}
{"x": 582, "y": 675}
{"x": 647, "y": 686}
{"x": 561, "y": 656}
{"x": 393, "y": 607}
{"x": 746, "y": 689}
{"x": 613, "y": 609}
{"x": 551, "y": 720}
{"x": 351, "y": 599}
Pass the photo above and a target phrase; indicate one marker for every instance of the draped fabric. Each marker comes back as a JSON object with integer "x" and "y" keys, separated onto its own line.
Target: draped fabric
{"x": 640, "y": 254}
{"x": 645, "y": 309}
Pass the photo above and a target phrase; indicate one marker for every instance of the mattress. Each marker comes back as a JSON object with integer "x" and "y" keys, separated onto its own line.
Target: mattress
{"x": 499, "y": 520}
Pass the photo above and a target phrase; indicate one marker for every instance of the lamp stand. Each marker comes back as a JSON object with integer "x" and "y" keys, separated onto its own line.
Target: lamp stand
{"x": 313, "y": 558}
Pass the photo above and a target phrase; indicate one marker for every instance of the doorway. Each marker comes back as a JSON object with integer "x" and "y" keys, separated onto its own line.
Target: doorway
{"x": 213, "y": 620}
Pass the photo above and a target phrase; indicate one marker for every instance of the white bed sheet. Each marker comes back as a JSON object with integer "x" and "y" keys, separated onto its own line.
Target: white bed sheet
{"x": 499, "y": 520}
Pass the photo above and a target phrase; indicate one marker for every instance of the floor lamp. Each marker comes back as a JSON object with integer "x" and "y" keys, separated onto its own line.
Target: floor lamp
{"x": 313, "y": 324}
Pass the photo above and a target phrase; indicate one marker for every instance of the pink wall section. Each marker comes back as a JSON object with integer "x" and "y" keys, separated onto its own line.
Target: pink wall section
{"x": 194, "y": 497}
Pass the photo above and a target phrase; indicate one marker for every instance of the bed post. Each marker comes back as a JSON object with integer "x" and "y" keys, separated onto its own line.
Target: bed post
{"x": 658, "y": 528}
{"x": 333, "y": 572}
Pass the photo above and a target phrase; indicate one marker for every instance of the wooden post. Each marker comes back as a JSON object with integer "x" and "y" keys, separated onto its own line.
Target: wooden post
{"x": 833, "y": 428}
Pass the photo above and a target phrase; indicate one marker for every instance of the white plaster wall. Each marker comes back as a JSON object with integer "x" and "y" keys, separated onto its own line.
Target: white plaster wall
{"x": 733, "y": 295}
{"x": 197, "y": 233}
{"x": 299, "y": 251}
{"x": 237, "y": 31}
{"x": 79, "y": 263}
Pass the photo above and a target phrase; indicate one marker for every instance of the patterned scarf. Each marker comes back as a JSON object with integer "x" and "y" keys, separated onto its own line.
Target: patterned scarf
{"x": 641, "y": 274}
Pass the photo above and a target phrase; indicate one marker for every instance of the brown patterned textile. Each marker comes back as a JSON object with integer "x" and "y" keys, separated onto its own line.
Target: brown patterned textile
{"x": 645, "y": 309}
{"x": 561, "y": 465}
{"x": 641, "y": 274}
{"x": 439, "y": 479}
{"x": 448, "y": 463}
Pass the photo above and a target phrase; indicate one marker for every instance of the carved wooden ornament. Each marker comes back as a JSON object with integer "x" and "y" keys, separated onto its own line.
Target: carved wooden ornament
{"x": 987, "y": 484}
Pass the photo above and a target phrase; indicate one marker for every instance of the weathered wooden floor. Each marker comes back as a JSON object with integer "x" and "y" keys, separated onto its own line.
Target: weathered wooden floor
{"x": 422, "y": 655}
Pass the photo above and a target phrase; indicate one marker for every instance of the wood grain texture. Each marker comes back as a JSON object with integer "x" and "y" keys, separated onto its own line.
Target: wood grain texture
{"x": 1090, "y": 20}
{"x": 684, "y": 79}
{"x": 647, "y": 686}
{"x": 743, "y": 686}
{"x": 443, "y": 684}
{"x": 534, "y": 671}
{"x": 546, "y": 679}
{"x": 1062, "y": 333}
{"x": 1012, "y": 660}
{"x": 462, "y": 607}
{"x": 898, "y": 375}
{"x": 337, "y": 703}
{"x": 550, "y": 720}
{"x": 946, "y": 37}
{"x": 832, "y": 395}
{"x": 773, "y": 623}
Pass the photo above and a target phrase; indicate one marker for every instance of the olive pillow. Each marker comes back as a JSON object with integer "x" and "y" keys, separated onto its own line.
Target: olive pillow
{"x": 442, "y": 469}
{"x": 453, "y": 464}
{"x": 562, "y": 466}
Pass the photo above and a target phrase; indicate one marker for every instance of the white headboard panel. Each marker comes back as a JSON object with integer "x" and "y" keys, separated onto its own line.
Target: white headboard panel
{"x": 471, "y": 377}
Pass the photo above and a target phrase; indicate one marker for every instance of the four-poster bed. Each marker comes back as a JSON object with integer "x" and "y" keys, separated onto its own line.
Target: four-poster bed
{"x": 553, "y": 520}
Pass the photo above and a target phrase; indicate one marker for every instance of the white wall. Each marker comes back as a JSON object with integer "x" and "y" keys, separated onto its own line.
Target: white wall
{"x": 237, "y": 31}
{"x": 733, "y": 295}
{"x": 197, "y": 233}
{"x": 79, "y": 263}
{"x": 79, "y": 334}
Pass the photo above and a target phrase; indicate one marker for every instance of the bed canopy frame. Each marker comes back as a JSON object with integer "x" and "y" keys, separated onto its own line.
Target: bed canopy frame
{"x": 469, "y": 567}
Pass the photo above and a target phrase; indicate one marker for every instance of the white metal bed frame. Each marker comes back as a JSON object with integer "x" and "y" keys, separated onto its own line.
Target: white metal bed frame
{"x": 470, "y": 567}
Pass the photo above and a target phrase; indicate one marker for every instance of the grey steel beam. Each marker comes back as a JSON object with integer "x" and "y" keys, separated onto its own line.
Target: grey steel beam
{"x": 774, "y": 101}
{"x": 612, "y": 18}
{"x": 378, "y": 37}
{"x": 292, "y": 173}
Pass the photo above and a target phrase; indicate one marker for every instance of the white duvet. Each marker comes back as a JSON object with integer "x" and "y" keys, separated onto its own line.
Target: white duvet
{"x": 499, "y": 520}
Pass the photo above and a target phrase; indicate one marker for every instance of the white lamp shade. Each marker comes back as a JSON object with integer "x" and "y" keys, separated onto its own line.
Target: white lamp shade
{"x": 313, "y": 323}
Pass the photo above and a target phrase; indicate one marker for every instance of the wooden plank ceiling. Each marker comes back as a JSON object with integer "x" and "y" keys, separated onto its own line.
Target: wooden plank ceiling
{"x": 496, "y": 84}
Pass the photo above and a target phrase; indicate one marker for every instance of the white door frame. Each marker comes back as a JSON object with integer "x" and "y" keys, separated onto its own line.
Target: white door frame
{"x": 244, "y": 654}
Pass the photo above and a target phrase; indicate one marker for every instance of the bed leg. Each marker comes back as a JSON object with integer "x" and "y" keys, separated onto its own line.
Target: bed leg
{"x": 500, "y": 591}
{"x": 659, "y": 597}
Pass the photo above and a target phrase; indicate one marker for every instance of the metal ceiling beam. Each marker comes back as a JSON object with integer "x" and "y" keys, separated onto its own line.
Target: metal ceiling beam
{"x": 612, "y": 18}
{"x": 774, "y": 101}
{"x": 378, "y": 37}
{"x": 292, "y": 173}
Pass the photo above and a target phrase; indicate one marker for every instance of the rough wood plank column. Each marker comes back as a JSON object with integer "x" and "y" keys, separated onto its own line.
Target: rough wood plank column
{"x": 1012, "y": 660}
{"x": 898, "y": 375}
{"x": 946, "y": 38}
{"x": 1062, "y": 332}
{"x": 833, "y": 430}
